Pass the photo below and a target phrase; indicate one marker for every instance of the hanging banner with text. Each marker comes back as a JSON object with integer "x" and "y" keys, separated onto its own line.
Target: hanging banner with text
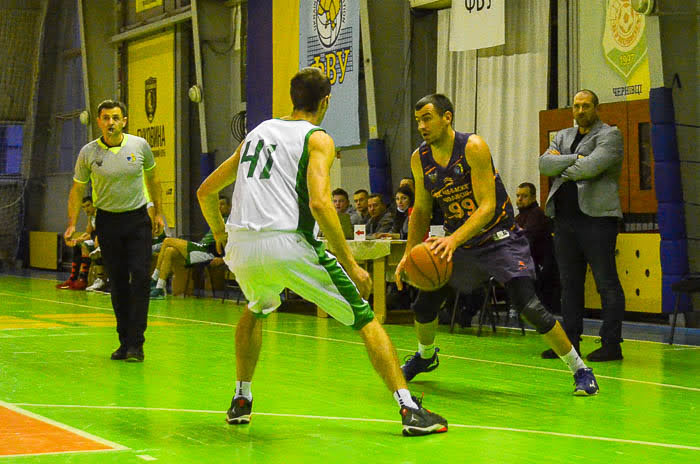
{"x": 617, "y": 66}
{"x": 329, "y": 39}
{"x": 477, "y": 24}
{"x": 151, "y": 98}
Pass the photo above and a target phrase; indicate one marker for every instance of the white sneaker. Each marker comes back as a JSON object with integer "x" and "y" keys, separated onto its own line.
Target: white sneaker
{"x": 99, "y": 284}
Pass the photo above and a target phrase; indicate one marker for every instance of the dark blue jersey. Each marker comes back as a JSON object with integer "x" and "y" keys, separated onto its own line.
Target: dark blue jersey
{"x": 452, "y": 187}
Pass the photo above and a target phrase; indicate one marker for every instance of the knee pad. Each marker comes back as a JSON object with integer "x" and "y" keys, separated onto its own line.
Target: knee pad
{"x": 537, "y": 315}
{"x": 427, "y": 305}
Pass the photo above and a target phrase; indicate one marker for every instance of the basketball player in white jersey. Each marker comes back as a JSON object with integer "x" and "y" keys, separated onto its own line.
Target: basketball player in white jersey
{"x": 282, "y": 191}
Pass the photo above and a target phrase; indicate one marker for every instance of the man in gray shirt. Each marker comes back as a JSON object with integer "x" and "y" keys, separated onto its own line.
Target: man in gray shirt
{"x": 116, "y": 165}
{"x": 585, "y": 163}
{"x": 381, "y": 220}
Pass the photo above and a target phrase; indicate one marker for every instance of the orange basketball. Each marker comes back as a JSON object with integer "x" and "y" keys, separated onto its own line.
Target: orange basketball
{"x": 427, "y": 271}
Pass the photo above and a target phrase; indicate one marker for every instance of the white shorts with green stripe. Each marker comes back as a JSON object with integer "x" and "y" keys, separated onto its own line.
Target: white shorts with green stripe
{"x": 265, "y": 263}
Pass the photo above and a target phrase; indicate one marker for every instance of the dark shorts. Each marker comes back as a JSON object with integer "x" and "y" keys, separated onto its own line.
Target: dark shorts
{"x": 504, "y": 259}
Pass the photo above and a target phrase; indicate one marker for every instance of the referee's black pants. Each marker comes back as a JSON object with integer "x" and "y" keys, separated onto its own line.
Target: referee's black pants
{"x": 125, "y": 241}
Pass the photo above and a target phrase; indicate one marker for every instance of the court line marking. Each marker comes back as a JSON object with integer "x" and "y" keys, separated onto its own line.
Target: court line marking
{"x": 501, "y": 363}
{"x": 15, "y": 407}
{"x": 386, "y": 421}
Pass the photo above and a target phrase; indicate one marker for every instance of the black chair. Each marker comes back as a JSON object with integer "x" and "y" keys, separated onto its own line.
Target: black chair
{"x": 199, "y": 270}
{"x": 489, "y": 308}
{"x": 688, "y": 285}
{"x": 230, "y": 283}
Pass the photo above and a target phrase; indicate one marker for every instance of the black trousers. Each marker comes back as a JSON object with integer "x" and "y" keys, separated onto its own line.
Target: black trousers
{"x": 125, "y": 241}
{"x": 582, "y": 240}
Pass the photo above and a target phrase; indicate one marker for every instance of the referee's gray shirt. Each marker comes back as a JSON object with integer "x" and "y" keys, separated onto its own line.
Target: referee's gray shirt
{"x": 116, "y": 172}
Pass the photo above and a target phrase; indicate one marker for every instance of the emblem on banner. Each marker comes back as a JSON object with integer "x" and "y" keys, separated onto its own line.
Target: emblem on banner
{"x": 151, "y": 99}
{"x": 624, "y": 38}
{"x": 329, "y": 16}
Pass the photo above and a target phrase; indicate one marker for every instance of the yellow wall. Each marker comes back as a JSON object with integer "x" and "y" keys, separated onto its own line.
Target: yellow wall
{"x": 285, "y": 53}
{"x": 639, "y": 268}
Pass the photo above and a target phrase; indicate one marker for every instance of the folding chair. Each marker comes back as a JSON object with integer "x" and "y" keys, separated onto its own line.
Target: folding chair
{"x": 489, "y": 308}
{"x": 231, "y": 284}
{"x": 688, "y": 285}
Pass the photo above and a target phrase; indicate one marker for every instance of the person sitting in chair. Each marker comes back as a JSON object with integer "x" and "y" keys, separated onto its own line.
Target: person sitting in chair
{"x": 203, "y": 251}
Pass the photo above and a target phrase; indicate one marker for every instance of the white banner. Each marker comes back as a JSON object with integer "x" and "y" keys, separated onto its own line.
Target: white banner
{"x": 477, "y": 24}
{"x": 329, "y": 39}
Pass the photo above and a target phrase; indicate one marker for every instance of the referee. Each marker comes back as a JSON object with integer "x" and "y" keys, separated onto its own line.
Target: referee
{"x": 116, "y": 164}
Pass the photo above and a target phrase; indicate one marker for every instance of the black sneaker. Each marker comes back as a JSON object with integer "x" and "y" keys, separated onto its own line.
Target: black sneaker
{"x": 119, "y": 354}
{"x": 421, "y": 421}
{"x": 549, "y": 354}
{"x": 414, "y": 365}
{"x": 607, "y": 352}
{"x": 134, "y": 355}
{"x": 239, "y": 412}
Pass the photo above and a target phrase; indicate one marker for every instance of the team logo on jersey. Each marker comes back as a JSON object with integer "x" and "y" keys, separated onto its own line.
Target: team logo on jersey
{"x": 458, "y": 170}
{"x": 329, "y": 16}
{"x": 151, "y": 99}
{"x": 131, "y": 158}
{"x": 432, "y": 177}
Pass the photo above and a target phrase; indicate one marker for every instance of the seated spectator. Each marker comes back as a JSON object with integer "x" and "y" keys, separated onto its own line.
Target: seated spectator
{"x": 538, "y": 230}
{"x": 381, "y": 220}
{"x": 341, "y": 201}
{"x": 82, "y": 245}
{"x": 203, "y": 251}
{"x": 361, "y": 214}
{"x": 402, "y": 210}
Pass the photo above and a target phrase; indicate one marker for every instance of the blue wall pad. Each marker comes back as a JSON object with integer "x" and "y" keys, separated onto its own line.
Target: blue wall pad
{"x": 206, "y": 165}
{"x": 664, "y": 142}
{"x": 671, "y": 219}
{"x": 661, "y": 106}
{"x": 667, "y": 179}
{"x": 674, "y": 256}
{"x": 380, "y": 182}
{"x": 376, "y": 153}
{"x": 668, "y": 298}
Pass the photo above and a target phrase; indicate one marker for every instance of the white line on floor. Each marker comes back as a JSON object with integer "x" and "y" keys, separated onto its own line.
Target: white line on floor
{"x": 387, "y": 421}
{"x": 464, "y": 358}
{"x": 82, "y": 433}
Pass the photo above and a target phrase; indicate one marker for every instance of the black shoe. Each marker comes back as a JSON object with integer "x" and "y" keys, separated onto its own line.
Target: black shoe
{"x": 415, "y": 364}
{"x": 549, "y": 354}
{"x": 119, "y": 354}
{"x": 607, "y": 352}
{"x": 239, "y": 412}
{"x": 134, "y": 355}
{"x": 421, "y": 421}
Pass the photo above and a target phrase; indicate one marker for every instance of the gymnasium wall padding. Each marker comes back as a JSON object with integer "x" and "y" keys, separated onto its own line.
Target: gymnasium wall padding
{"x": 259, "y": 63}
{"x": 669, "y": 193}
{"x": 379, "y": 169}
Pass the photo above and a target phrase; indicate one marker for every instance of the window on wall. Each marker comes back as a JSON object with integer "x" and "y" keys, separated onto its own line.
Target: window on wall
{"x": 11, "y": 149}
{"x": 70, "y": 135}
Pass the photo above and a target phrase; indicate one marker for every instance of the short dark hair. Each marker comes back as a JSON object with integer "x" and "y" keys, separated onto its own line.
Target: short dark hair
{"x": 361, "y": 191}
{"x": 225, "y": 198}
{"x": 109, "y": 104}
{"x": 592, "y": 94}
{"x": 86, "y": 198}
{"x": 439, "y": 101}
{"x": 308, "y": 87}
{"x": 377, "y": 195}
{"x": 340, "y": 191}
{"x": 531, "y": 186}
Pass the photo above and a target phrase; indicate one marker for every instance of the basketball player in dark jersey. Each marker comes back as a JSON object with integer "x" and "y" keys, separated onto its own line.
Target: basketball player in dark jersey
{"x": 481, "y": 239}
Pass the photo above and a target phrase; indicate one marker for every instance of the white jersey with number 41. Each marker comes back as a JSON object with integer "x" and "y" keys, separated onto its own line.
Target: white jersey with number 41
{"x": 271, "y": 193}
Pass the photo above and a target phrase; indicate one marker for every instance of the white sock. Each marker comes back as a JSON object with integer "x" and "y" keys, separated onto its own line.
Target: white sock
{"x": 403, "y": 397}
{"x": 426, "y": 351}
{"x": 243, "y": 389}
{"x": 155, "y": 275}
{"x": 160, "y": 284}
{"x": 573, "y": 360}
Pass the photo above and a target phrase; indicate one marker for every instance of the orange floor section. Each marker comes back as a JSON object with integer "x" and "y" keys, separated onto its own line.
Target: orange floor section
{"x": 21, "y": 434}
